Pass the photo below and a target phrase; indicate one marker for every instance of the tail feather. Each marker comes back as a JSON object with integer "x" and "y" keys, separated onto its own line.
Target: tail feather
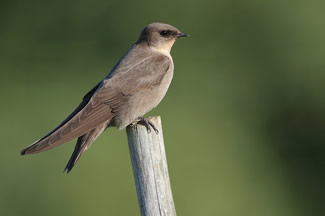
{"x": 83, "y": 143}
{"x": 78, "y": 150}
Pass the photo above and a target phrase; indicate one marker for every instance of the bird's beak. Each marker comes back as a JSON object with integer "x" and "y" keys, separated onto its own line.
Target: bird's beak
{"x": 182, "y": 35}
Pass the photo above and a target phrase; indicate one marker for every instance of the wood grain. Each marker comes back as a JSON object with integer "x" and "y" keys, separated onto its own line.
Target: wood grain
{"x": 150, "y": 170}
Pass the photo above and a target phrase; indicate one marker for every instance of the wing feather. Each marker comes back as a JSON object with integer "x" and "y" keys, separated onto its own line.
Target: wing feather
{"x": 93, "y": 114}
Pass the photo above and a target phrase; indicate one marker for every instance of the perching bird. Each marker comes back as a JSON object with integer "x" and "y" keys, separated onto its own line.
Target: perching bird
{"x": 135, "y": 85}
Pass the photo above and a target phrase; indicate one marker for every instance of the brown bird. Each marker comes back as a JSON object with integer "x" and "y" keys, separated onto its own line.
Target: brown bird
{"x": 135, "y": 85}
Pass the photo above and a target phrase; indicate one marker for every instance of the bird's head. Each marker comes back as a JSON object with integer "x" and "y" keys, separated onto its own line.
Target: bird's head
{"x": 160, "y": 36}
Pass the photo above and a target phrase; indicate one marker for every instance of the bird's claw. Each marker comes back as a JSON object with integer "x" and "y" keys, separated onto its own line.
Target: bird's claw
{"x": 147, "y": 123}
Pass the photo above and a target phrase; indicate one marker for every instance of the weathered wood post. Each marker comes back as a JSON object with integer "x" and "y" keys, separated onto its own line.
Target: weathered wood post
{"x": 150, "y": 170}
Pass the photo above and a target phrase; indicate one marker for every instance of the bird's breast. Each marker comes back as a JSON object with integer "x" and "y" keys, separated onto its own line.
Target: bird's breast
{"x": 144, "y": 101}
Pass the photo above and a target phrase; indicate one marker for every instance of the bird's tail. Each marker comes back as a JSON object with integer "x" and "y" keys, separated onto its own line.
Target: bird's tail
{"x": 83, "y": 143}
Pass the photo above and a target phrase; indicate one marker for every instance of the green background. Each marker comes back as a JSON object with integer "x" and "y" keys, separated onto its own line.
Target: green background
{"x": 243, "y": 119}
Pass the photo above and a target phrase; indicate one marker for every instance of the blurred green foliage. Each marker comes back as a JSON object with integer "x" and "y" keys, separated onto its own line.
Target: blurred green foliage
{"x": 243, "y": 119}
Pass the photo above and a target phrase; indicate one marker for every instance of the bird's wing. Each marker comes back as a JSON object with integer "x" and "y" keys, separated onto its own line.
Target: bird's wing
{"x": 83, "y": 103}
{"x": 89, "y": 114}
{"x": 145, "y": 74}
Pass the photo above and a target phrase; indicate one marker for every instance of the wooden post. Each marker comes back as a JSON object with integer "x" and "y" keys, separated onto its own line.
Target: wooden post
{"x": 150, "y": 170}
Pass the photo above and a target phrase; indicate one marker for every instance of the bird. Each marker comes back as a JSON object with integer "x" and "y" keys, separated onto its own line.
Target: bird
{"x": 136, "y": 84}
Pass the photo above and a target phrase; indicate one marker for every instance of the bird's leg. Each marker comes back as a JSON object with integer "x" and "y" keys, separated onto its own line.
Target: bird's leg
{"x": 147, "y": 123}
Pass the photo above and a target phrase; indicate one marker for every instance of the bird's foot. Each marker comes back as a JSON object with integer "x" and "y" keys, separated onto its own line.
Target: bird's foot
{"x": 148, "y": 124}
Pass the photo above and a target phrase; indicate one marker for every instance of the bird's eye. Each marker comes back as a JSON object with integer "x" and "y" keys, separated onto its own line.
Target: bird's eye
{"x": 164, "y": 33}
